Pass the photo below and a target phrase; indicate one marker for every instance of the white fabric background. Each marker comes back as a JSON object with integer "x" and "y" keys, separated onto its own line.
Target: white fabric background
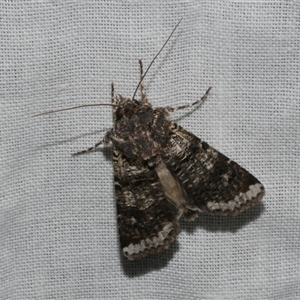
{"x": 58, "y": 220}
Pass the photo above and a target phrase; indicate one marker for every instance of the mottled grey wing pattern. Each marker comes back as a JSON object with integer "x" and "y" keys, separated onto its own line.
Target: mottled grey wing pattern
{"x": 216, "y": 184}
{"x": 147, "y": 221}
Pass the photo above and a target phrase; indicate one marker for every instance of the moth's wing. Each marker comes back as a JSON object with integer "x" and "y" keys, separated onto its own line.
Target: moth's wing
{"x": 147, "y": 221}
{"x": 213, "y": 182}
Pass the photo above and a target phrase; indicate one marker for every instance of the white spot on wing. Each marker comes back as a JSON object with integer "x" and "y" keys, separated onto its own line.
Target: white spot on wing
{"x": 253, "y": 191}
{"x": 149, "y": 243}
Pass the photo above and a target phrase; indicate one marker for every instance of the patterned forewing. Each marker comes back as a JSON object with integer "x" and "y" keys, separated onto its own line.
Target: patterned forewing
{"x": 216, "y": 184}
{"x": 147, "y": 221}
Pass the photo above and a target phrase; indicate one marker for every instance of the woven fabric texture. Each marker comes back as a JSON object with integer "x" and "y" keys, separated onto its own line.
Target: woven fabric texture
{"x": 58, "y": 229}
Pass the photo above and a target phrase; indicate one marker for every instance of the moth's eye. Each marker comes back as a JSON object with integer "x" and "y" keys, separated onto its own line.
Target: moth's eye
{"x": 119, "y": 113}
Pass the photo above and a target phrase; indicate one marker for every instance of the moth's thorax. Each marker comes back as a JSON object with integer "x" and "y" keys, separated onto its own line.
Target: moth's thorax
{"x": 140, "y": 131}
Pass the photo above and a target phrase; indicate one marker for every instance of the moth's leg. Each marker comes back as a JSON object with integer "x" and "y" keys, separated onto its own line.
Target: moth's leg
{"x": 142, "y": 87}
{"x": 201, "y": 100}
{"x": 105, "y": 140}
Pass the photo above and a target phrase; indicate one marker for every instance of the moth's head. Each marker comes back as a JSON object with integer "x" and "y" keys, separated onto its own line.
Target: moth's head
{"x": 128, "y": 107}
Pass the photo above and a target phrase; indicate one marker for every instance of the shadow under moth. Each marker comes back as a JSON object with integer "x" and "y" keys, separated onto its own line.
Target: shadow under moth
{"x": 163, "y": 172}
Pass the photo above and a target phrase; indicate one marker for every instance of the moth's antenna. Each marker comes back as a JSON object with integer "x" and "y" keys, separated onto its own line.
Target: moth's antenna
{"x": 155, "y": 58}
{"x": 113, "y": 105}
{"x": 69, "y": 108}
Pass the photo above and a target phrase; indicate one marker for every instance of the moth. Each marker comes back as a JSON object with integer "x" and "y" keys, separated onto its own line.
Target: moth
{"x": 162, "y": 172}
